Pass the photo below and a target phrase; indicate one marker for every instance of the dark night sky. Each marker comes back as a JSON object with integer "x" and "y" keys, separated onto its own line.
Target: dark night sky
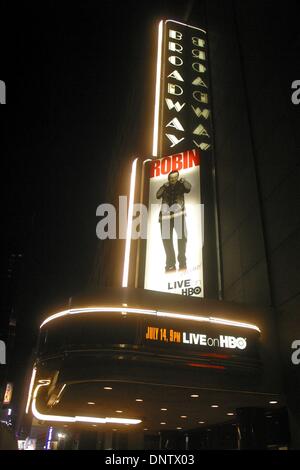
{"x": 80, "y": 91}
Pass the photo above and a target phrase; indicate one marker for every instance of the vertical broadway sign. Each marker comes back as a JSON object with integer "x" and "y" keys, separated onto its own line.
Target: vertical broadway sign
{"x": 182, "y": 108}
{"x": 183, "y": 123}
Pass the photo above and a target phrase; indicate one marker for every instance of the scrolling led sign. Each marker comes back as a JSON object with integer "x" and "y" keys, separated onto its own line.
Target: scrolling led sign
{"x": 184, "y": 120}
{"x": 173, "y": 336}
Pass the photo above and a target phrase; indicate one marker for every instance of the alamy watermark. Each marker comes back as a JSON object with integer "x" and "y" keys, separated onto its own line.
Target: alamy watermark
{"x": 2, "y": 352}
{"x": 2, "y": 92}
{"x": 114, "y": 221}
{"x": 296, "y": 94}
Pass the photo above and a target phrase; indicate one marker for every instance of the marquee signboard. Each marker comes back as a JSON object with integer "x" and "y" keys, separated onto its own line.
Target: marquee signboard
{"x": 187, "y": 337}
{"x": 203, "y": 339}
{"x": 167, "y": 333}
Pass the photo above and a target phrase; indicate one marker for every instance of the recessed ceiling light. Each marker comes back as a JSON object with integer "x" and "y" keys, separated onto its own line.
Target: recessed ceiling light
{"x": 114, "y": 430}
{"x": 107, "y": 388}
{"x": 194, "y": 396}
{"x": 273, "y": 402}
{"x": 139, "y": 399}
{"x": 145, "y": 429}
{"x": 214, "y": 406}
{"x": 201, "y": 422}
{"x": 178, "y": 428}
{"x": 183, "y": 416}
{"x": 163, "y": 409}
{"x": 163, "y": 423}
{"x": 119, "y": 411}
{"x": 94, "y": 425}
{"x": 230, "y": 414}
{"x": 91, "y": 403}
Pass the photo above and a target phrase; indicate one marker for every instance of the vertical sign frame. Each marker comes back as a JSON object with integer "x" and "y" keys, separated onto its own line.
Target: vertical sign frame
{"x": 183, "y": 121}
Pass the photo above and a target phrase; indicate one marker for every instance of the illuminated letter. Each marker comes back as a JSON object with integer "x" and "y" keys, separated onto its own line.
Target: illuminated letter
{"x": 194, "y": 159}
{"x": 172, "y": 89}
{"x": 174, "y": 46}
{"x": 175, "y": 35}
{"x": 199, "y": 81}
{"x": 198, "y": 54}
{"x": 176, "y": 75}
{"x": 198, "y": 42}
{"x": 174, "y": 139}
{"x": 177, "y": 105}
{"x": 198, "y": 67}
{"x": 224, "y": 341}
{"x": 205, "y": 112}
{"x": 176, "y": 124}
{"x": 185, "y": 339}
{"x": 177, "y": 162}
{"x": 203, "y": 340}
{"x": 201, "y": 97}
{"x": 165, "y": 165}
{"x": 200, "y": 130}
{"x": 155, "y": 168}
{"x": 174, "y": 60}
{"x": 202, "y": 145}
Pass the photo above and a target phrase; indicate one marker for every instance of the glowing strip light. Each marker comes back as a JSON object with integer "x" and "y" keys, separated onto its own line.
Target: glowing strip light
{"x": 181, "y": 316}
{"x": 177, "y": 316}
{"x": 220, "y": 321}
{"x": 206, "y": 366}
{"x": 157, "y": 90}
{"x": 97, "y": 310}
{"x": 223, "y": 321}
{"x": 33, "y": 375}
{"x": 49, "y": 438}
{"x": 129, "y": 225}
{"x": 187, "y": 25}
{"x": 61, "y": 390}
{"x": 74, "y": 419}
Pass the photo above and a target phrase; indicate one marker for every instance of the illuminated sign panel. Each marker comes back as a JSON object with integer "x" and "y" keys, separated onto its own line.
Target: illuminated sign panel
{"x": 187, "y": 337}
{"x": 183, "y": 118}
{"x": 183, "y": 123}
{"x": 8, "y": 394}
{"x": 174, "y": 231}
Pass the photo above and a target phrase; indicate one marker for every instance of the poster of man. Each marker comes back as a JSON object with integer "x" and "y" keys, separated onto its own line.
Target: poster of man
{"x": 172, "y": 216}
{"x": 175, "y": 226}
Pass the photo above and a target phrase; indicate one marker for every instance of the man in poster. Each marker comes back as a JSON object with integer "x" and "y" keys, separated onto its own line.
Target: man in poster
{"x": 172, "y": 216}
